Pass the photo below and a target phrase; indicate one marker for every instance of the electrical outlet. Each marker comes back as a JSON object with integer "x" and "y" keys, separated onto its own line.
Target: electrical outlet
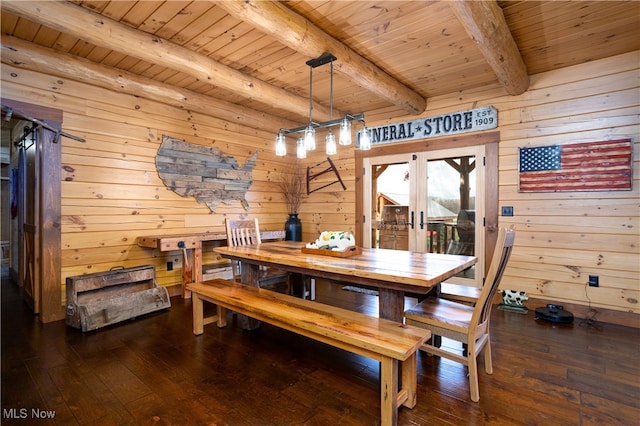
{"x": 594, "y": 281}
{"x": 507, "y": 210}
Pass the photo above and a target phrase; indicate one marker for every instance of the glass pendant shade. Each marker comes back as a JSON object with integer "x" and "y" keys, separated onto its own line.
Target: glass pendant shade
{"x": 345, "y": 132}
{"x": 301, "y": 150}
{"x": 310, "y": 138}
{"x": 281, "y": 146}
{"x": 330, "y": 143}
{"x": 365, "y": 138}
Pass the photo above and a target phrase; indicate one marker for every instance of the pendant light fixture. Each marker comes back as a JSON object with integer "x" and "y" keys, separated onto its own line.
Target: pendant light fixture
{"x": 308, "y": 141}
{"x": 310, "y": 132}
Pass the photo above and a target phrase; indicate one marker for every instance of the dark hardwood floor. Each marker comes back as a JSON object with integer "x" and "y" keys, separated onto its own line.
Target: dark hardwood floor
{"x": 155, "y": 371}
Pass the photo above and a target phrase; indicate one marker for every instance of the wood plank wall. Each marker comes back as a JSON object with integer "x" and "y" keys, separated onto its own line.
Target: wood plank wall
{"x": 565, "y": 237}
{"x": 562, "y": 237}
{"x": 112, "y": 193}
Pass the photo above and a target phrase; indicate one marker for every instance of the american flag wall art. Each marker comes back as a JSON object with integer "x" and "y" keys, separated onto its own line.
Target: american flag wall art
{"x": 589, "y": 166}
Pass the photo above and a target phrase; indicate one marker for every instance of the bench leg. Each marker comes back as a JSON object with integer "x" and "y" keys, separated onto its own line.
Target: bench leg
{"x": 198, "y": 314}
{"x": 222, "y": 316}
{"x": 409, "y": 373}
{"x": 388, "y": 391}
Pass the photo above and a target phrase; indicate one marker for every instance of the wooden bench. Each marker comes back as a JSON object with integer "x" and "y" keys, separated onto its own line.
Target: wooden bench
{"x": 459, "y": 293}
{"x": 391, "y": 343}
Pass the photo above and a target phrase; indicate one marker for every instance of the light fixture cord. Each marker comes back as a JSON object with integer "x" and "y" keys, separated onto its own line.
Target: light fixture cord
{"x": 331, "y": 92}
{"x": 310, "y": 94}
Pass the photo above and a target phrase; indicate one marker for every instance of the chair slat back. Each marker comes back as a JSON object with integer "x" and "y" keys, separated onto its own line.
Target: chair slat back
{"x": 501, "y": 254}
{"x": 242, "y": 233}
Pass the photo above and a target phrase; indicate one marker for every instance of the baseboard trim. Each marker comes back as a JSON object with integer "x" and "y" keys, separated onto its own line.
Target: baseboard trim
{"x": 174, "y": 290}
{"x": 610, "y": 316}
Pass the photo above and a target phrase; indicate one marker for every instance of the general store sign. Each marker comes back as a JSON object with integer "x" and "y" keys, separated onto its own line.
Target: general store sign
{"x": 472, "y": 120}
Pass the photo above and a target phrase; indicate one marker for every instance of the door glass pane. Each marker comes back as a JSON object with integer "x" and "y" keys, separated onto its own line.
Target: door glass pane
{"x": 390, "y": 195}
{"x": 451, "y": 201}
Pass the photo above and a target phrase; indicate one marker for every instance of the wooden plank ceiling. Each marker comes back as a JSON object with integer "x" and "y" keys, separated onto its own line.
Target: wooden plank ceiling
{"x": 392, "y": 55}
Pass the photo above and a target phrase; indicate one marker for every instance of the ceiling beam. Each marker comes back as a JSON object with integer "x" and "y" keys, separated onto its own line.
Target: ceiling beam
{"x": 300, "y": 34}
{"x": 102, "y": 31}
{"x": 485, "y": 24}
{"x": 26, "y": 55}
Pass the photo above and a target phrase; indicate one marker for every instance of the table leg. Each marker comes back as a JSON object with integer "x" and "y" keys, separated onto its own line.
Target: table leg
{"x": 391, "y": 304}
{"x": 249, "y": 275}
{"x": 197, "y": 264}
{"x": 191, "y": 267}
{"x": 187, "y": 271}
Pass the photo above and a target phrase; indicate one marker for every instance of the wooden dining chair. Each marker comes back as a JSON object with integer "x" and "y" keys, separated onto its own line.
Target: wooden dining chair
{"x": 247, "y": 232}
{"x": 309, "y": 288}
{"x": 464, "y": 323}
{"x": 459, "y": 292}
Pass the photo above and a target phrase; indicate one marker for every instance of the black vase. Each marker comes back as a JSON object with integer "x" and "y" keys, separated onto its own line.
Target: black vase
{"x": 293, "y": 228}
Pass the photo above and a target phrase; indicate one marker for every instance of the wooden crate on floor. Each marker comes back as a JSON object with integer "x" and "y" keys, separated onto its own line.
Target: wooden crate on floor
{"x": 105, "y": 298}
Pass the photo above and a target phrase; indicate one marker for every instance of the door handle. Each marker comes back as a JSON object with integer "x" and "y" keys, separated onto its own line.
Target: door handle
{"x": 421, "y": 220}
{"x": 412, "y": 220}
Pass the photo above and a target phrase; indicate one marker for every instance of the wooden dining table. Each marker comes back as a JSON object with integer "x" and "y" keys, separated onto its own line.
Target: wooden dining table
{"x": 391, "y": 272}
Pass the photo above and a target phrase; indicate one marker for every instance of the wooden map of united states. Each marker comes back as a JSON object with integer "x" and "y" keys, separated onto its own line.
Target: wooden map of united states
{"x": 204, "y": 173}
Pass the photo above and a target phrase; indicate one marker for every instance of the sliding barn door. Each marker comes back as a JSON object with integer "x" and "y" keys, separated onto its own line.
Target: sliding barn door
{"x": 36, "y": 230}
{"x": 29, "y": 213}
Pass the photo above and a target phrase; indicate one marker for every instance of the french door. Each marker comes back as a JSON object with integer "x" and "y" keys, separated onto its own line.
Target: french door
{"x": 429, "y": 201}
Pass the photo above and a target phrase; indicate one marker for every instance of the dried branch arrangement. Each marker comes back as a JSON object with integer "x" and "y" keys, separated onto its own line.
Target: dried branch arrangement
{"x": 293, "y": 185}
